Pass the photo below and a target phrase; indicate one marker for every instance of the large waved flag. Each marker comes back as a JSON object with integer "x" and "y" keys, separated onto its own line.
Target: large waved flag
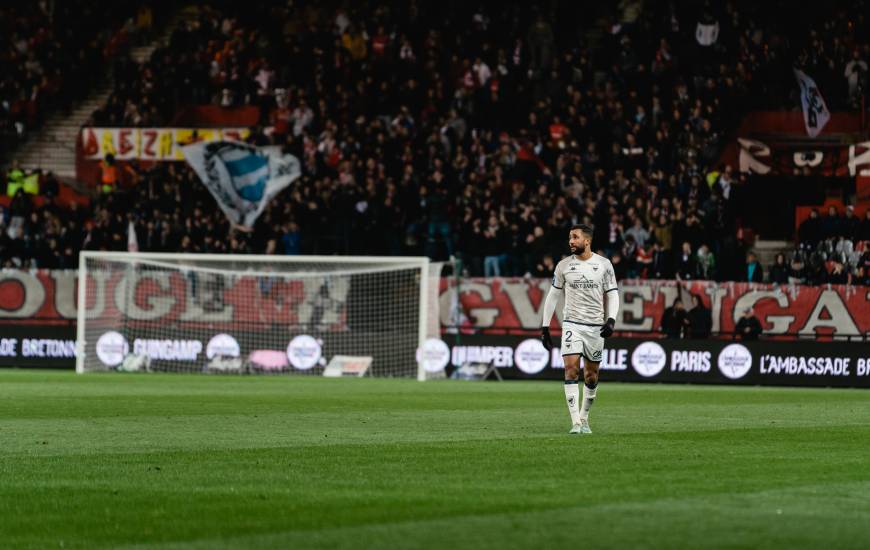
{"x": 816, "y": 113}
{"x": 242, "y": 178}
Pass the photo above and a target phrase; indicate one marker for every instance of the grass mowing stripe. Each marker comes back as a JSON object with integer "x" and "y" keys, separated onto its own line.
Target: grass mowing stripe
{"x": 732, "y": 521}
{"x": 198, "y": 461}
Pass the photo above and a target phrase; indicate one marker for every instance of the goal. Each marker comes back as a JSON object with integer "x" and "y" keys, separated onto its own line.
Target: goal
{"x": 254, "y": 314}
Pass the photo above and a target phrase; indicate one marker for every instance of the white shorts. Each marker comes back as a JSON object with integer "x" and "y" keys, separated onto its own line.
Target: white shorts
{"x": 582, "y": 340}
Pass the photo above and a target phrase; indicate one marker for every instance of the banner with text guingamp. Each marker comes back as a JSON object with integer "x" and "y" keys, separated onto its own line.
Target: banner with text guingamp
{"x": 489, "y": 320}
{"x": 479, "y": 305}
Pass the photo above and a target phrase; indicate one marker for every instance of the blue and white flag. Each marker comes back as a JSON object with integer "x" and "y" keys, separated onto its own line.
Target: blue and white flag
{"x": 242, "y": 178}
{"x": 816, "y": 113}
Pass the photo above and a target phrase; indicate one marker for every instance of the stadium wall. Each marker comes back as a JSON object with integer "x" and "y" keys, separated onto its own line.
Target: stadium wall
{"x": 494, "y": 319}
{"x": 494, "y": 305}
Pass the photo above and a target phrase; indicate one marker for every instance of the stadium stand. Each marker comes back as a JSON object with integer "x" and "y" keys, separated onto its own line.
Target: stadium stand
{"x": 53, "y": 51}
{"x": 455, "y": 130}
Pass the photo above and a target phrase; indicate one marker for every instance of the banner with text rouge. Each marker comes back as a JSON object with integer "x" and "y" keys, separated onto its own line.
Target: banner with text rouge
{"x": 767, "y": 363}
{"x": 46, "y": 297}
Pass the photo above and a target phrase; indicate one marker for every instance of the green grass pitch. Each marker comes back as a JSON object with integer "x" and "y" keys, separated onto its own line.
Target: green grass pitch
{"x": 187, "y": 461}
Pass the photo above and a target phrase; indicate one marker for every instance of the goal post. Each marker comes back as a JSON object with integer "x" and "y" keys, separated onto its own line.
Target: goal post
{"x": 253, "y": 313}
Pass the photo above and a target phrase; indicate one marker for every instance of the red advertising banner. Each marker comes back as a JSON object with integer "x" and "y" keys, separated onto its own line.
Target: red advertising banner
{"x": 50, "y": 297}
{"x": 487, "y": 305}
{"x": 513, "y": 304}
{"x": 800, "y": 157}
{"x": 150, "y": 144}
{"x": 776, "y": 143}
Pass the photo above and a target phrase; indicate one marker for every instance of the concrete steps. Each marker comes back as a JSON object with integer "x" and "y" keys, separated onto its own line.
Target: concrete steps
{"x": 53, "y": 148}
{"x": 767, "y": 251}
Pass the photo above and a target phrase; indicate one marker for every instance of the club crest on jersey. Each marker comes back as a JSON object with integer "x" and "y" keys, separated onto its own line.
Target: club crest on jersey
{"x": 595, "y": 267}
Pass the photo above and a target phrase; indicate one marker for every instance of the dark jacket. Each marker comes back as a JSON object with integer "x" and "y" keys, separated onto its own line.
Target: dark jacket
{"x": 779, "y": 274}
{"x": 757, "y": 275}
{"x": 700, "y": 322}
{"x": 673, "y": 322}
{"x": 748, "y": 329}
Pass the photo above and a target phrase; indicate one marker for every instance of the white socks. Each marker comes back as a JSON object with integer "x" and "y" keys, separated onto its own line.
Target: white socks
{"x": 572, "y": 396}
{"x": 588, "y": 399}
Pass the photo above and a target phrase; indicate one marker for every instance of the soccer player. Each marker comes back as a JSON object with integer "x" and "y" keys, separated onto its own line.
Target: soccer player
{"x": 589, "y": 284}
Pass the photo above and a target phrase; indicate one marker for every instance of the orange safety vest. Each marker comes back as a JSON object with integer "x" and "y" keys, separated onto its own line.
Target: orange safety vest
{"x": 109, "y": 176}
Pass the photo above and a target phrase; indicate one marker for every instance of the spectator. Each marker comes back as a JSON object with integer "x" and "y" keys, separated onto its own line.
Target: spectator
{"x": 662, "y": 263}
{"x": 613, "y": 235}
{"x": 291, "y": 240}
{"x": 748, "y": 327}
{"x": 629, "y": 256}
{"x": 838, "y": 274}
{"x": 545, "y": 268}
{"x": 779, "y": 271}
{"x": 439, "y": 220}
{"x": 541, "y": 131}
{"x": 850, "y": 225}
{"x": 700, "y": 319}
{"x": 664, "y": 232}
{"x": 493, "y": 248}
{"x": 686, "y": 264}
{"x": 754, "y": 272}
{"x": 675, "y": 321}
{"x": 797, "y": 273}
{"x": 810, "y": 230}
{"x": 856, "y": 75}
{"x": 620, "y": 267}
{"x": 706, "y": 263}
{"x": 638, "y": 233}
{"x": 832, "y": 224}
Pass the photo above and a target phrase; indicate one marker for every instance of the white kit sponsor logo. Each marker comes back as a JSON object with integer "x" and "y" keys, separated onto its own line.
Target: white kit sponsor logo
{"x": 112, "y": 347}
{"x": 498, "y": 356}
{"x": 531, "y": 356}
{"x": 304, "y": 352}
{"x": 168, "y": 350}
{"x": 8, "y": 347}
{"x": 434, "y": 355}
{"x": 614, "y": 359}
{"x": 690, "y": 361}
{"x": 735, "y": 361}
{"x": 648, "y": 359}
{"x": 611, "y": 359}
{"x": 790, "y": 365}
{"x": 222, "y": 345}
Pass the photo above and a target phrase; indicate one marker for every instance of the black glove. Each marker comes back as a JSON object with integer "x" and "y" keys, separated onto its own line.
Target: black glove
{"x": 607, "y": 329}
{"x": 545, "y": 338}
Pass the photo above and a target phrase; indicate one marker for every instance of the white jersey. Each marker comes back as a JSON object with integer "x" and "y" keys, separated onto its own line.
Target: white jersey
{"x": 585, "y": 282}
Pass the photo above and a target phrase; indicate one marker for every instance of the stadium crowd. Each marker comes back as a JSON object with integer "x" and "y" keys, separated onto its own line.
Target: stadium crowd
{"x": 52, "y": 53}
{"x": 484, "y": 134}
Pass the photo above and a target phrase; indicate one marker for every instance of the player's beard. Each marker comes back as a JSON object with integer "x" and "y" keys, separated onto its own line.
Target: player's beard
{"x": 578, "y": 250}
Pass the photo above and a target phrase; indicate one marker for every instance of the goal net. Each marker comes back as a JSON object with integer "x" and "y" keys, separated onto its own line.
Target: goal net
{"x": 253, "y": 314}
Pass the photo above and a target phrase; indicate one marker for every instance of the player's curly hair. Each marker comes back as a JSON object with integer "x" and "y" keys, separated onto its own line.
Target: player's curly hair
{"x": 587, "y": 229}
